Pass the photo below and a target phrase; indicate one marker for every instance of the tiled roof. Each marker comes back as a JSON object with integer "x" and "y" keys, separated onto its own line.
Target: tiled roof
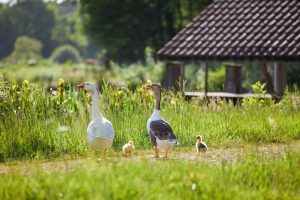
{"x": 240, "y": 29}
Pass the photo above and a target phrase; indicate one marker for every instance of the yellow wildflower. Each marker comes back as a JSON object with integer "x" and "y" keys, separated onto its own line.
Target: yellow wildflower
{"x": 15, "y": 86}
{"x": 61, "y": 82}
{"x": 140, "y": 90}
{"x": 173, "y": 103}
{"x": 25, "y": 82}
{"x": 87, "y": 96}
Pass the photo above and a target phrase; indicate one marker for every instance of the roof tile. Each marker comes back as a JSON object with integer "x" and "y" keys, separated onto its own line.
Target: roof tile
{"x": 261, "y": 29}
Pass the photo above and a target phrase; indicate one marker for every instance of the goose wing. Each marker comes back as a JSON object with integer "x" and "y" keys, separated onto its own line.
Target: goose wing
{"x": 162, "y": 130}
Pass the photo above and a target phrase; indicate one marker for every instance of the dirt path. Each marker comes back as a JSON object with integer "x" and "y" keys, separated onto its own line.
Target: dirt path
{"x": 214, "y": 156}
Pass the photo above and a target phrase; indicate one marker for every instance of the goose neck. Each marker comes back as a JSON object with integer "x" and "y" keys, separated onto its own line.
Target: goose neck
{"x": 156, "y": 115}
{"x": 157, "y": 100}
{"x": 96, "y": 114}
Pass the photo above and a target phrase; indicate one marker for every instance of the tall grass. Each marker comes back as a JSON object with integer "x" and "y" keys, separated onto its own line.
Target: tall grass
{"x": 36, "y": 123}
{"x": 252, "y": 178}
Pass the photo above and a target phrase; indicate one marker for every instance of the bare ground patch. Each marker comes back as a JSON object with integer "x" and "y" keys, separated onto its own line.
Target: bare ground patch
{"x": 213, "y": 156}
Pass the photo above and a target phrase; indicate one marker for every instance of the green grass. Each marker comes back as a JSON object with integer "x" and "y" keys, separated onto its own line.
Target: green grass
{"x": 36, "y": 124}
{"x": 47, "y": 73}
{"x": 30, "y": 119}
{"x": 251, "y": 178}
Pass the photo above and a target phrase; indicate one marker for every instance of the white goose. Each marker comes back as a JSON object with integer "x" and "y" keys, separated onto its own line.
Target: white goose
{"x": 100, "y": 132}
{"x": 160, "y": 132}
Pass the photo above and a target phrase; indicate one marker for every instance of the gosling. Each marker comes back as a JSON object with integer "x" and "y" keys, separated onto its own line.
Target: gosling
{"x": 201, "y": 147}
{"x": 128, "y": 148}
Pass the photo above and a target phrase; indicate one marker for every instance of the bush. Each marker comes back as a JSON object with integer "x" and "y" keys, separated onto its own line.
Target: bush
{"x": 65, "y": 53}
{"x": 26, "y": 49}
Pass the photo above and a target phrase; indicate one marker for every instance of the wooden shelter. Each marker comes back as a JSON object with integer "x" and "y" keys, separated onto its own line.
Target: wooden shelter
{"x": 238, "y": 30}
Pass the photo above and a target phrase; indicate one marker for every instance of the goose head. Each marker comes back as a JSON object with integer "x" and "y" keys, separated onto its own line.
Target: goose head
{"x": 87, "y": 86}
{"x": 154, "y": 86}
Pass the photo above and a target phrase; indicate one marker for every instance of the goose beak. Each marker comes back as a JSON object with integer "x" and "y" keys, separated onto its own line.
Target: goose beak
{"x": 81, "y": 85}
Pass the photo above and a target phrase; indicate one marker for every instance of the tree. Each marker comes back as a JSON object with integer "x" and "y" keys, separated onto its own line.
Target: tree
{"x": 27, "y": 17}
{"x": 126, "y": 28}
{"x": 66, "y": 53}
{"x": 7, "y": 34}
{"x": 26, "y": 48}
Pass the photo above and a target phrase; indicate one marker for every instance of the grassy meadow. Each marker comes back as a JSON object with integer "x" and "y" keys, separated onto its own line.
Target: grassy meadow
{"x": 252, "y": 178}
{"x": 39, "y": 124}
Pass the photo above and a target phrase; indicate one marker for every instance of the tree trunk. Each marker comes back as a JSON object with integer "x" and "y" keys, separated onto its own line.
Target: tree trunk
{"x": 190, "y": 9}
{"x": 169, "y": 17}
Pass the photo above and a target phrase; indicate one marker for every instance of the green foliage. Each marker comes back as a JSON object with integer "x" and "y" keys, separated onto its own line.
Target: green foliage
{"x": 47, "y": 73}
{"x": 253, "y": 177}
{"x": 51, "y": 23}
{"x": 258, "y": 88}
{"x": 31, "y": 18}
{"x": 26, "y": 49}
{"x": 293, "y": 74}
{"x": 68, "y": 25}
{"x": 195, "y": 75}
{"x": 7, "y": 33}
{"x": 66, "y": 53}
{"x": 32, "y": 120}
{"x": 134, "y": 74}
{"x": 137, "y": 24}
{"x": 217, "y": 79}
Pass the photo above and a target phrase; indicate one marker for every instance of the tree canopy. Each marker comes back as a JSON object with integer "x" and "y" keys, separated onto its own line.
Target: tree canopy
{"x": 50, "y": 23}
{"x": 126, "y": 28}
{"x": 26, "y": 48}
{"x": 31, "y": 18}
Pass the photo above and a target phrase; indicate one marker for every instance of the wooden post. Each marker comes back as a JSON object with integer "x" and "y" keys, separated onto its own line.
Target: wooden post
{"x": 233, "y": 80}
{"x": 279, "y": 78}
{"x": 206, "y": 80}
{"x": 268, "y": 78}
{"x": 174, "y": 75}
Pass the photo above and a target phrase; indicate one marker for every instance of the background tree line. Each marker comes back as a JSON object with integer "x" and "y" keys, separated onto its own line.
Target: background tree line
{"x": 50, "y": 23}
{"x": 123, "y": 28}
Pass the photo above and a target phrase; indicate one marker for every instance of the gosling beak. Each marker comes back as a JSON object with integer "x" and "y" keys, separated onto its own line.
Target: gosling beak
{"x": 81, "y": 85}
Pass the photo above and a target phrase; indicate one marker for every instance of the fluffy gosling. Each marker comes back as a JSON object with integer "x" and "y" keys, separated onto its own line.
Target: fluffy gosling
{"x": 200, "y": 145}
{"x": 128, "y": 148}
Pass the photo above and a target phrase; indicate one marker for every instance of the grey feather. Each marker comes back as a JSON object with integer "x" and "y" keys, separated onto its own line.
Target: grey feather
{"x": 162, "y": 130}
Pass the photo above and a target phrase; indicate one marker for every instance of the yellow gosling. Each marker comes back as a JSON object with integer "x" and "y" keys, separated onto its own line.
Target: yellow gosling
{"x": 128, "y": 148}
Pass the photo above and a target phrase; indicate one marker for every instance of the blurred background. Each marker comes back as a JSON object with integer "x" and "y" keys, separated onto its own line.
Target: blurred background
{"x": 80, "y": 40}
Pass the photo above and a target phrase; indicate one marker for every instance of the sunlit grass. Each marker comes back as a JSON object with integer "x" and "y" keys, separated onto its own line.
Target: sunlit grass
{"x": 36, "y": 124}
{"x": 253, "y": 177}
